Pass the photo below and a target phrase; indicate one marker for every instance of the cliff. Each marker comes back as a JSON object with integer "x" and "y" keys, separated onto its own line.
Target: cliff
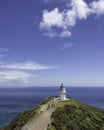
{"x": 68, "y": 115}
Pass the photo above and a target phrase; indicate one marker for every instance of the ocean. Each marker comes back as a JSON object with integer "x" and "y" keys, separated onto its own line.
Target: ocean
{"x": 15, "y": 100}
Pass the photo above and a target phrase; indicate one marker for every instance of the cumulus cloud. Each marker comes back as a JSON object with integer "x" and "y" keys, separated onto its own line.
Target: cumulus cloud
{"x": 80, "y": 8}
{"x": 52, "y": 18}
{"x": 75, "y": 10}
{"x": 26, "y": 66}
{"x": 14, "y": 75}
{"x": 97, "y": 7}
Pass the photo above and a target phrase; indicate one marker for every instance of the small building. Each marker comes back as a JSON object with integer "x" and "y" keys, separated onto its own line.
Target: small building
{"x": 62, "y": 92}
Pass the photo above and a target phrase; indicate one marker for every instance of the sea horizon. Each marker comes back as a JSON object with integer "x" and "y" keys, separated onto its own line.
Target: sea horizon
{"x": 15, "y": 100}
{"x": 1, "y": 87}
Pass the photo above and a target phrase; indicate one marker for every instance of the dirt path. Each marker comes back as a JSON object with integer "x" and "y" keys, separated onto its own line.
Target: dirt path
{"x": 43, "y": 119}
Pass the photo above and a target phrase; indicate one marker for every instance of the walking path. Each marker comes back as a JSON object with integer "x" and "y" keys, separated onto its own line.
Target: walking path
{"x": 43, "y": 119}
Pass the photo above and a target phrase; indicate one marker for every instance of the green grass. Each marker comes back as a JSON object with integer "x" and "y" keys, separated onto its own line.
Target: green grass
{"x": 72, "y": 115}
{"x": 70, "y": 102}
{"x": 24, "y": 117}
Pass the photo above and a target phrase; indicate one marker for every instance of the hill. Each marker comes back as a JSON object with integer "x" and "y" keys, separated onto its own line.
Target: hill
{"x": 68, "y": 115}
{"x": 72, "y": 115}
{"x": 27, "y": 116}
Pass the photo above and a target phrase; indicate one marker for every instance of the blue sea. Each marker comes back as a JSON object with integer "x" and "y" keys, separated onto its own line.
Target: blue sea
{"x": 15, "y": 100}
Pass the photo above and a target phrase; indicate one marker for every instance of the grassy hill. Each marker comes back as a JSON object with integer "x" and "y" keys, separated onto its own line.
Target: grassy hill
{"x": 24, "y": 117}
{"x": 69, "y": 115}
{"x": 72, "y": 115}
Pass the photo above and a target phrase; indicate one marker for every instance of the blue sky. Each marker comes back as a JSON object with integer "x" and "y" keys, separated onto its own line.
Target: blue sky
{"x": 47, "y": 42}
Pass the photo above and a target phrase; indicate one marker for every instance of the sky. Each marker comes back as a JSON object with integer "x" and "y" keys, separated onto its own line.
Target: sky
{"x": 47, "y": 42}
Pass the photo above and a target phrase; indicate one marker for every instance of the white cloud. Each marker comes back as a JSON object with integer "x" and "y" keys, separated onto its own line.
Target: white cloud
{"x": 67, "y": 45}
{"x": 75, "y": 10}
{"x": 65, "y": 34}
{"x": 52, "y": 18}
{"x": 26, "y": 66}
{"x": 53, "y": 34}
{"x": 80, "y": 8}
{"x": 97, "y": 7}
{"x": 70, "y": 18}
{"x": 14, "y": 75}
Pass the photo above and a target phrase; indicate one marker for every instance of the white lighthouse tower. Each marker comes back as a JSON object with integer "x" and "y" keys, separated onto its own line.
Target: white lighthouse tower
{"x": 62, "y": 92}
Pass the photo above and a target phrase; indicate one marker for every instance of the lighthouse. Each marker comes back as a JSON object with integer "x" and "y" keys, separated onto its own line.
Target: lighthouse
{"x": 62, "y": 92}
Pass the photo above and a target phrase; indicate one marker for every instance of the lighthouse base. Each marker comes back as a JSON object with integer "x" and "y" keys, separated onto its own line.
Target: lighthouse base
{"x": 62, "y": 96}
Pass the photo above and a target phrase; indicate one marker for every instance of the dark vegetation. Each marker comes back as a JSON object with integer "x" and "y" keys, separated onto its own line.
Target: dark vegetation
{"x": 72, "y": 115}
